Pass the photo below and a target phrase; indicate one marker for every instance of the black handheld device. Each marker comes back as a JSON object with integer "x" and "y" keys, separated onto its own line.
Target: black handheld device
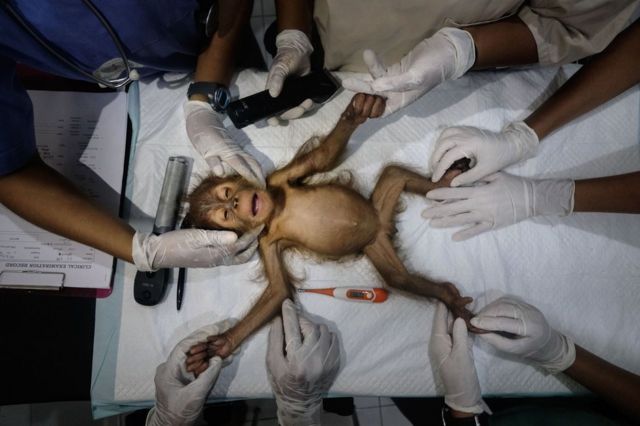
{"x": 318, "y": 86}
{"x": 149, "y": 287}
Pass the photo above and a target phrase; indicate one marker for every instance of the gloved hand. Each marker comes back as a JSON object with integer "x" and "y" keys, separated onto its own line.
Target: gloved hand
{"x": 292, "y": 58}
{"x": 303, "y": 359}
{"x": 180, "y": 397}
{"x": 209, "y": 137}
{"x": 489, "y": 151}
{"x": 192, "y": 248}
{"x": 533, "y": 338}
{"x": 498, "y": 201}
{"x": 454, "y": 361}
{"x": 446, "y": 55}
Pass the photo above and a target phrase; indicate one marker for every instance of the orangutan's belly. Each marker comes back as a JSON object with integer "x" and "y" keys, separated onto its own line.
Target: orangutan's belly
{"x": 330, "y": 220}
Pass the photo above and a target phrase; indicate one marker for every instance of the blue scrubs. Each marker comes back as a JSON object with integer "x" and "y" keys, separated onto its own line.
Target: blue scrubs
{"x": 160, "y": 34}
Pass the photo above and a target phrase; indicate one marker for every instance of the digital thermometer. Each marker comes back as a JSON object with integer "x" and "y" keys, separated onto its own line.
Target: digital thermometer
{"x": 355, "y": 294}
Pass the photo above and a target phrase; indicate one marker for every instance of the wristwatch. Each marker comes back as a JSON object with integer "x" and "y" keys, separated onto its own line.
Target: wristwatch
{"x": 217, "y": 94}
{"x": 481, "y": 419}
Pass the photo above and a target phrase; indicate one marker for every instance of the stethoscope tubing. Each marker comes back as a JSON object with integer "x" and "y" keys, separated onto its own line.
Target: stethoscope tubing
{"x": 114, "y": 83}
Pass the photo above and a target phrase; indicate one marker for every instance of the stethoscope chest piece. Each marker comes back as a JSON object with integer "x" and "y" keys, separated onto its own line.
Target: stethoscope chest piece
{"x": 114, "y": 73}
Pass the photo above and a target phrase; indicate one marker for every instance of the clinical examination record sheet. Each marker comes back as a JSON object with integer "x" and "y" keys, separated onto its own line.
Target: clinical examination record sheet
{"x": 83, "y": 136}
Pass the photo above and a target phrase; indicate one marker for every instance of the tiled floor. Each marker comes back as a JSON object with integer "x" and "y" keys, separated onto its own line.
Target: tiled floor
{"x": 77, "y": 413}
{"x": 378, "y": 412}
{"x": 370, "y": 411}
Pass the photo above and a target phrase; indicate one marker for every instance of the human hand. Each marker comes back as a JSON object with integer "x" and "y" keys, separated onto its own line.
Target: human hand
{"x": 501, "y": 200}
{"x": 489, "y": 151}
{"x": 303, "y": 359}
{"x": 192, "y": 248}
{"x": 362, "y": 107}
{"x": 209, "y": 137}
{"x": 292, "y": 58}
{"x": 446, "y": 55}
{"x": 521, "y": 329}
{"x": 453, "y": 356}
{"x": 179, "y": 398}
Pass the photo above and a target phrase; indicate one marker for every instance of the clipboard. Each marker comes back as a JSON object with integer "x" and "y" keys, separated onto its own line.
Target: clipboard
{"x": 20, "y": 278}
{"x": 48, "y": 283}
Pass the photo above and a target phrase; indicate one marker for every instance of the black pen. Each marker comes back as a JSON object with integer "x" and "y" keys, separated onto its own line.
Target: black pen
{"x": 182, "y": 272}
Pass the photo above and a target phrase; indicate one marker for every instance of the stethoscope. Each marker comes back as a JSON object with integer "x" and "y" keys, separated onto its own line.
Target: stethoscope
{"x": 114, "y": 83}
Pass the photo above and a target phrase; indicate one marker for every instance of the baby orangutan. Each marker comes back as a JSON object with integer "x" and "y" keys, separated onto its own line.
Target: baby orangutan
{"x": 329, "y": 219}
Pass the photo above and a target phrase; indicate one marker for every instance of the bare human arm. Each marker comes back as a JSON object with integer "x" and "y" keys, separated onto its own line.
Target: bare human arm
{"x": 508, "y": 42}
{"x": 45, "y": 198}
{"x": 616, "y": 69}
{"x": 615, "y": 385}
{"x": 294, "y": 15}
{"x": 446, "y": 55}
{"x": 605, "y": 77}
{"x": 293, "y": 52}
{"x": 327, "y": 154}
{"x": 612, "y": 194}
{"x": 520, "y": 329}
{"x": 619, "y": 387}
{"x": 609, "y": 74}
{"x": 216, "y": 62}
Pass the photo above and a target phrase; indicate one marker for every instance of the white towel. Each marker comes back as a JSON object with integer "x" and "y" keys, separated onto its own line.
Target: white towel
{"x": 583, "y": 271}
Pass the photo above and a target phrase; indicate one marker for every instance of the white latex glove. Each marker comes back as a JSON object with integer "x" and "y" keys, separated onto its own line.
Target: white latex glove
{"x": 446, "y": 55}
{"x": 209, "y": 137}
{"x": 489, "y": 151}
{"x": 531, "y": 336}
{"x": 180, "y": 397}
{"x": 292, "y": 58}
{"x": 498, "y": 201}
{"x": 192, "y": 248}
{"x": 303, "y": 359}
{"x": 454, "y": 362}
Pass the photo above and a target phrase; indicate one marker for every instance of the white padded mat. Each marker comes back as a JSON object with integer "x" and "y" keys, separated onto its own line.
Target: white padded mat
{"x": 583, "y": 272}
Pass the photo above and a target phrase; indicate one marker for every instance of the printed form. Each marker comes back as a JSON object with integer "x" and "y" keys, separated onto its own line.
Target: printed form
{"x": 83, "y": 136}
